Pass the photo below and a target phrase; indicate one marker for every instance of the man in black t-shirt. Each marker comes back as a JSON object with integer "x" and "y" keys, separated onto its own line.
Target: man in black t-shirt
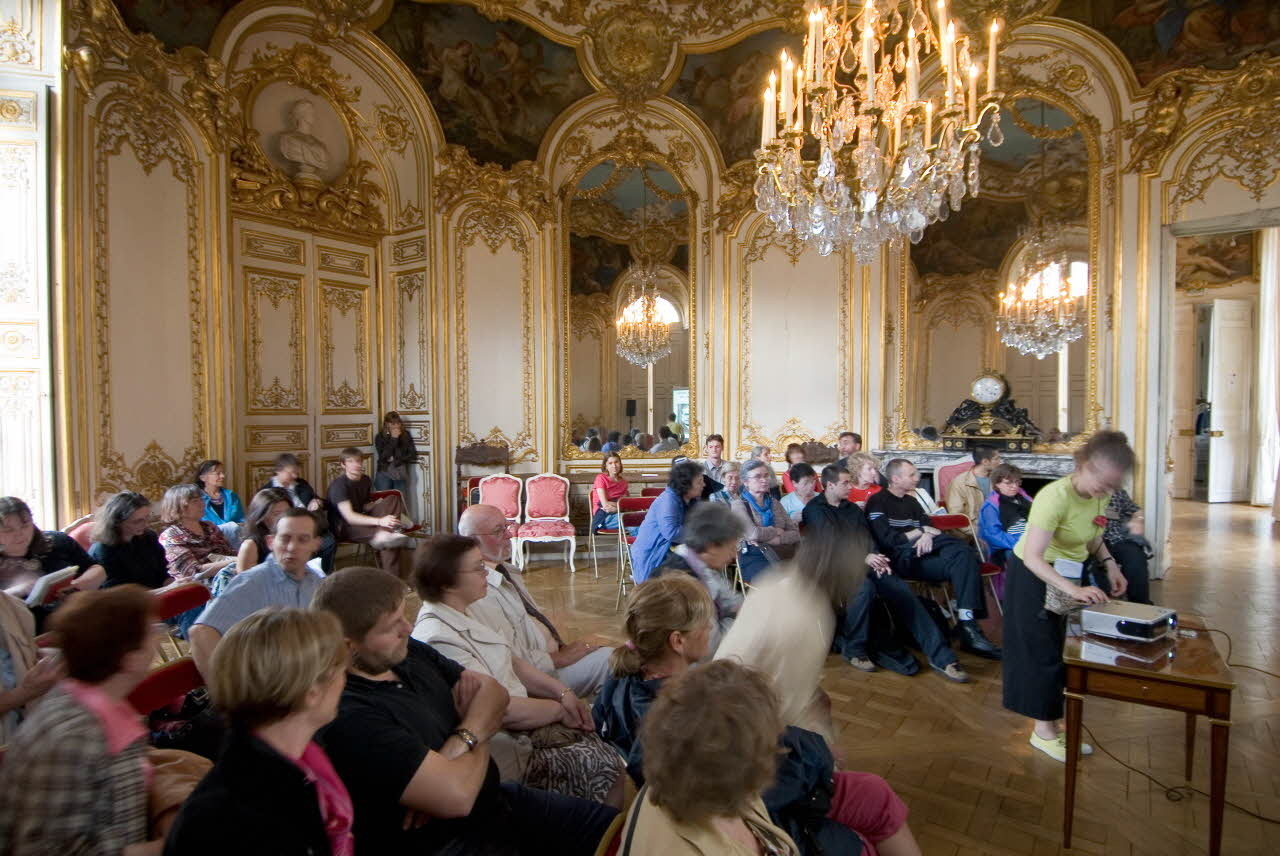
{"x": 832, "y": 509}
{"x": 353, "y": 517}
{"x": 920, "y": 551}
{"x": 411, "y": 744}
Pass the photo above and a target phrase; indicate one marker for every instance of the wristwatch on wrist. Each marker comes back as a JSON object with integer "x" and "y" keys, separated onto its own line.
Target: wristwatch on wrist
{"x": 467, "y": 737}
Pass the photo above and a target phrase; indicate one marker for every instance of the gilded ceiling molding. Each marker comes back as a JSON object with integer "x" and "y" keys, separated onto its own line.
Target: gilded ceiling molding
{"x": 335, "y": 18}
{"x": 1156, "y": 129}
{"x": 350, "y": 203}
{"x": 590, "y": 315}
{"x": 737, "y": 196}
{"x": 936, "y": 287}
{"x": 392, "y": 129}
{"x": 460, "y": 177}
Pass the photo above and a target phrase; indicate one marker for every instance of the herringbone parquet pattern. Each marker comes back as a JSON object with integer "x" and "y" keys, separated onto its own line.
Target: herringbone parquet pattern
{"x": 963, "y": 765}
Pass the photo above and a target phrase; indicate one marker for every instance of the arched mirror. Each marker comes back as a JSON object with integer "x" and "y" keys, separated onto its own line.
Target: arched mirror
{"x": 629, "y": 334}
{"x": 999, "y": 299}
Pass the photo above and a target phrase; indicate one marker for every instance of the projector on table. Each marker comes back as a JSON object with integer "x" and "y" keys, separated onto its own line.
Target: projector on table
{"x": 1138, "y": 622}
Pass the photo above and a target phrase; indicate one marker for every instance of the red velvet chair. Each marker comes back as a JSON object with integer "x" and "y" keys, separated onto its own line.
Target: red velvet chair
{"x": 652, "y": 491}
{"x": 546, "y": 515}
{"x": 946, "y": 474}
{"x": 504, "y": 491}
{"x": 81, "y": 531}
{"x": 166, "y": 685}
{"x": 988, "y": 570}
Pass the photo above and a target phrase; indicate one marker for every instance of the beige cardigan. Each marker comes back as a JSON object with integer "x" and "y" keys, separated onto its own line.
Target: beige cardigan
{"x": 659, "y": 834}
{"x": 18, "y": 628}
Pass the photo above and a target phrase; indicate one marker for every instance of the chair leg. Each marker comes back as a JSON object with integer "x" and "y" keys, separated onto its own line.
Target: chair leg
{"x": 591, "y": 545}
{"x": 991, "y": 584}
{"x": 573, "y": 549}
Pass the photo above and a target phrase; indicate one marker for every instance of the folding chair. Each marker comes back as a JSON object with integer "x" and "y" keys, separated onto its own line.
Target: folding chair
{"x": 652, "y": 491}
{"x": 632, "y": 511}
{"x": 166, "y": 685}
{"x": 987, "y": 570}
{"x": 172, "y": 602}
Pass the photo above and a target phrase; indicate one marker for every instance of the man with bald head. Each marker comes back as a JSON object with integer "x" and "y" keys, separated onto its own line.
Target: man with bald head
{"x": 509, "y": 609}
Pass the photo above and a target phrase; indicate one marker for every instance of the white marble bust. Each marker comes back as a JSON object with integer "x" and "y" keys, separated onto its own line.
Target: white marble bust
{"x": 307, "y": 153}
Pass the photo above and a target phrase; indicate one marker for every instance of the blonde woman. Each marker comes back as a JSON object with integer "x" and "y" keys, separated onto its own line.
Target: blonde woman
{"x": 277, "y": 676}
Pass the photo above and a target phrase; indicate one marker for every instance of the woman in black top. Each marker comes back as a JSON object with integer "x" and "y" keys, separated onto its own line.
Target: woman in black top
{"x": 27, "y": 553}
{"x": 125, "y": 544}
{"x": 395, "y": 452}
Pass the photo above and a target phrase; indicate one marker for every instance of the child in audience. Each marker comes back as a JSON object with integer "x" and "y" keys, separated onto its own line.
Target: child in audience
{"x": 717, "y": 781}
{"x": 1003, "y": 517}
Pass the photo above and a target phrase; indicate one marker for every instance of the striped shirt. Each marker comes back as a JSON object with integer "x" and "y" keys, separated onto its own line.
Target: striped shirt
{"x": 262, "y": 585}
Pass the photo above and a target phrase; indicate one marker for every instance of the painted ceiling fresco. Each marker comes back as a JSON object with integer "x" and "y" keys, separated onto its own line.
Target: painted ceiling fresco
{"x": 176, "y": 23}
{"x": 1162, "y": 35}
{"x": 724, "y": 88}
{"x": 496, "y": 87}
{"x": 632, "y": 190}
{"x": 595, "y": 263}
{"x": 971, "y": 240}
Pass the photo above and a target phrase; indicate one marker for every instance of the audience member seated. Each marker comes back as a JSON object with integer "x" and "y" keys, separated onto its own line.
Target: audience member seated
{"x": 288, "y": 477}
{"x": 794, "y": 455}
{"x": 1004, "y": 514}
{"x": 277, "y": 676}
{"x": 765, "y": 455}
{"x": 509, "y": 608}
{"x": 969, "y": 490}
{"x": 27, "y": 553}
{"x": 731, "y": 478}
{"x": 848, "y": 444}
{"x": 714, "y": 460}
{"x": 25, "y": 676}
{"x": 675, "y": 427}
{"x": 1126, "y": 540}
{"x": 665, "y": 519}
{"x": 770, "y": 531}
{"x": 222, "y": 506}
{"x": 592, "y": 434}
{"x": 614, "y": 443}
{"x": 919, "y": 551}
{"x": 803, "y": 487}
{"x": 450, "y": 576}
{"x": 354, "y": 517}
{"x": 125, "y": 545}
{"x": 281, "y": 579}
{"x": 644, "y": 442}
{"x": 665, "y": 639}
{"x": 865, "y": 470}
{"x": 412, "y": 743}
{"x": 396, "y": 452}
{"x": 831, "y": 521}
{"x": 707, "y": 545}
{"x": 193, "y": 547}
{"x": 606, "y": 490}
{"x": 266, "y": 507}
{"x": 666, "y": 442}
{"x": 74, "y": 778}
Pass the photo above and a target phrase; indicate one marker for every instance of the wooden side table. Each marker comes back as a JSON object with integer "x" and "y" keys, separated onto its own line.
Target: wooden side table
{"x": 1185, "y": 673}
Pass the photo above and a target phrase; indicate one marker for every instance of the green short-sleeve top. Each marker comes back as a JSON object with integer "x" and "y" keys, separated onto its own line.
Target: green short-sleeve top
{"x": 1059, "y": 509}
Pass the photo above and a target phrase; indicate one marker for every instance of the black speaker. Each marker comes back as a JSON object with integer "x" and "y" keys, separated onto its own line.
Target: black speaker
{"x": 631, "y": 407}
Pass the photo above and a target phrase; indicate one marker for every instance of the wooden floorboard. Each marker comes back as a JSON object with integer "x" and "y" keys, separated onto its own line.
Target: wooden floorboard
{"x": 962, "y": 762}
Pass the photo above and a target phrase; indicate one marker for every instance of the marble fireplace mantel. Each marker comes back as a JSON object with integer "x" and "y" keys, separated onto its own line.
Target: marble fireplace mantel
{"x": 1031, "y": 464}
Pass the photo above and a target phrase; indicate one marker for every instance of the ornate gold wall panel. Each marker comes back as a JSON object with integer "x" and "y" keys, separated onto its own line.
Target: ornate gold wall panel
{"x": 409, "y": 250}
{"x": 335, "y": 260}
{"x": 274, "y": 312}
{"x": 412, "y": 320}
{"x": 342, "y": 435}
{"x": 345, "y": 374}
{"x": 273, "y": 248}
{"x": 275, "y": 438}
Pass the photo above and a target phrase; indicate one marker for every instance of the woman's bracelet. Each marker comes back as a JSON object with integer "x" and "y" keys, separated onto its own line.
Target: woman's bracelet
{"x": 564, "y": 693}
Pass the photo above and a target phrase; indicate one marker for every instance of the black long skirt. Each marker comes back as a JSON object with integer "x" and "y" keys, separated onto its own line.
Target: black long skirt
{"x": 1034, "y": 675}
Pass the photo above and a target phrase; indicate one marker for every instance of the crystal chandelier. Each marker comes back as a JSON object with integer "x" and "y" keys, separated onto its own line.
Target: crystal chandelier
{"x": 890, "y": 161}
{"x": 1043, "y": 309}
{"x": 644, "y": 334}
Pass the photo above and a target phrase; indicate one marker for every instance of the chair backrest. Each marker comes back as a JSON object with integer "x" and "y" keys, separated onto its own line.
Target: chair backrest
{"x": 611, "y": 841}
{"x": 946, "y": 474}
{"x": 165, "y": 685}
{"x": 635, "y": 503}
{"x": 81, "y": 531}
{"x": 179, "y": 599}
{"x": 652, "y": 491}
{"x": 502, "y": 491}
{"x": 546, "y": 497}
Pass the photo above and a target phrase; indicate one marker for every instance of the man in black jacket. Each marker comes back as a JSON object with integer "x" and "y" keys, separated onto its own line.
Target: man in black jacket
{"x": 288, "y": 478}
{"x": 832, "y": 508}
{"x": 920, "y": 551}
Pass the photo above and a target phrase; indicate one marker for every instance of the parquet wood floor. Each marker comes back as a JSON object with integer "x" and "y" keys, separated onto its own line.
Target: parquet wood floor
{"x": 962, "y": 762}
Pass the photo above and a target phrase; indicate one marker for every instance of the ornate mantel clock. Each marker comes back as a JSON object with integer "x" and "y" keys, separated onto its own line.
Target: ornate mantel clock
{"x": 989, "y": 416}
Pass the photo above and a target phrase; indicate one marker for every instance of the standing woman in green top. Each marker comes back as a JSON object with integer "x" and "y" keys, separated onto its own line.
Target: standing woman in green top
{"x": 1064, "y": 528}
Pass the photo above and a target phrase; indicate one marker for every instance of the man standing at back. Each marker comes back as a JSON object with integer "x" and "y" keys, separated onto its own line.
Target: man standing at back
{"x": 971, "y": 488}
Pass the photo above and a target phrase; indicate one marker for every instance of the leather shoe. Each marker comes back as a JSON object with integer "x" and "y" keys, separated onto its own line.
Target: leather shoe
{"x": 974, "y": 641}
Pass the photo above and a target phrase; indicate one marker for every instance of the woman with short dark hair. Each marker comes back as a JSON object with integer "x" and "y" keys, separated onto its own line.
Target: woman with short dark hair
{"x": 450, "y": 576}
{"x": 125, "y": 545}
{"x": 396, "y": 451}
{"x": 28, "y": 553}
{"x": 277, "y": 676}
{"x": 222, "y": 506}
{"x": 665, "y": 518}
{"x": 74, "y": 777}
{"x": 265, "y": 509}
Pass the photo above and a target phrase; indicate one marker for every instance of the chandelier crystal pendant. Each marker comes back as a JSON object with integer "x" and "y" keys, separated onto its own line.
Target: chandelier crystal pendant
{"x": 890, "y": 160}
{"x": 1043, "y": 309}
{"x": 644, "y": 336}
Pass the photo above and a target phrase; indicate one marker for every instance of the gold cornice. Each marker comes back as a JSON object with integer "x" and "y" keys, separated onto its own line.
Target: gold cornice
{"x": 461, "y": 178}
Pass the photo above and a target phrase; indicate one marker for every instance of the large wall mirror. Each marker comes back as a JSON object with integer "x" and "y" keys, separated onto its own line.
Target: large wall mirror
{"x": 629, "y": 332}
{"x": 1036, "y": 216}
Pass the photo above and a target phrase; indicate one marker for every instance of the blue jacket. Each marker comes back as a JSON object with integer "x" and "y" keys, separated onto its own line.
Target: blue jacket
{"x": 661, "y": 526}
{"x": 232, "y": 510}
{"x": 989, "y": 528}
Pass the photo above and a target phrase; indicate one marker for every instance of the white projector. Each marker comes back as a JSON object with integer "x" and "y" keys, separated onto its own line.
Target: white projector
{"x": 1123, "y": 620}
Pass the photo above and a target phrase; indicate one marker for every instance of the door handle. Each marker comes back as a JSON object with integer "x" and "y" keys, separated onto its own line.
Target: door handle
{"x": 1186, "y": 432}
{"x": 1215, "y": 434}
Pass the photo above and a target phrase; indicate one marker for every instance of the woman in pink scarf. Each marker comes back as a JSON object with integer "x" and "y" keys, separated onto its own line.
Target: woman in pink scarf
{"x": 277, "y": 675}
